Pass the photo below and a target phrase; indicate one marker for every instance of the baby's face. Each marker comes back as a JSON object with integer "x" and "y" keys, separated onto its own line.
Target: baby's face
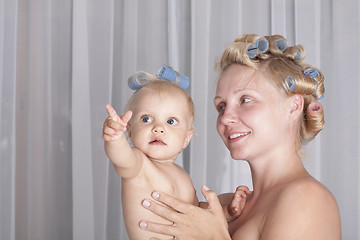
{"x": 161, "y": 124}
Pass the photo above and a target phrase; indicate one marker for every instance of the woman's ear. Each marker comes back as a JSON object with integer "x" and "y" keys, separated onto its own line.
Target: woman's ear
{"x": 128, "y": 129}
{"x": 297, "y": 105}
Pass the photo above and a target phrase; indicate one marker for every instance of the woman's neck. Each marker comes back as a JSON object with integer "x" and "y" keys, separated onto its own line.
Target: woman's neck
{"x": 268, "y": 173}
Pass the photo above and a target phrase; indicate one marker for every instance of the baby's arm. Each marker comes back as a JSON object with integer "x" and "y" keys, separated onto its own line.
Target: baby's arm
{"x": 232, "y": 203}
{"x": 126, "y": 160}
{"x": 235, "y": 208}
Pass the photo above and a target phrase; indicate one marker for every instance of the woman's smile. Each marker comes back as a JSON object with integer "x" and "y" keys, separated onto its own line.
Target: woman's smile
{"x": 238, "y": 135}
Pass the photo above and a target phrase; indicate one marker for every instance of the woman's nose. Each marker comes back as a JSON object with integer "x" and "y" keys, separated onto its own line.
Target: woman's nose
{"x": 228, "y": 117}
{"x": 158, "y": 129}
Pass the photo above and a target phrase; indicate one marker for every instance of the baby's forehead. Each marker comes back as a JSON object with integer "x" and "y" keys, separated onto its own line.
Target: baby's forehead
{"x": 168, "y": 93}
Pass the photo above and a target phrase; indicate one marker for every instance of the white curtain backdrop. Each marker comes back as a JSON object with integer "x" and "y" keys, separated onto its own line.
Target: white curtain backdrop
{"x": 61, "y": 61}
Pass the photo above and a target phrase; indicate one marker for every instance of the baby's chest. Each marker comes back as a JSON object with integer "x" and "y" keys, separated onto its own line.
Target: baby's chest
{"x": 174, "y": 183}
{"x": 179, "y": 186}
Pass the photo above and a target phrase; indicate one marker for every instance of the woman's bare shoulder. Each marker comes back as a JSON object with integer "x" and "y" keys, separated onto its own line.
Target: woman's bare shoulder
{"x": 306, "y": 194}
{"x": 303, "y": 186}
{"x": 306, "y": 208}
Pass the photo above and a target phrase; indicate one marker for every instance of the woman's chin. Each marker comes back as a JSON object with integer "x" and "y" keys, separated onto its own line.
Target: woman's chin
{"x": 236, "y": 155}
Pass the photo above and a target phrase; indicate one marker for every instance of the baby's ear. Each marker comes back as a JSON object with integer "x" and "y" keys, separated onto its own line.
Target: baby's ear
{"x": 188, "y": 137}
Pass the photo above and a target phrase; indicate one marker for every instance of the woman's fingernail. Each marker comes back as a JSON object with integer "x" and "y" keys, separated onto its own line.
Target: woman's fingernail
{"x": 146, "y": 203}
{"x": 143, "y": 224}
{"x": 155, "y": 195}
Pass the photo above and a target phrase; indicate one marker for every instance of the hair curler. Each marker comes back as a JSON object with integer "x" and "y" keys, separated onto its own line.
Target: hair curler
{"x": 290, "y": 83}
{"x": 137, "y": 80}
{"x": 167, "y": 73}
{"x": 251, "y": 51}
{"x": 281, "y": 44}
{"x": 311, "y": 72}
{"x": 262, "y": 45}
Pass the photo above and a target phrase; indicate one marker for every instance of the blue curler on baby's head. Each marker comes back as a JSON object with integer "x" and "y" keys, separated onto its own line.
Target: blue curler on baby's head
{"x": 137, "y": 80}
{"x": 167, "y": 73}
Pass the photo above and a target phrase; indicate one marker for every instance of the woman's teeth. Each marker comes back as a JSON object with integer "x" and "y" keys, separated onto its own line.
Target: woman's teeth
{"x": 236, "y": 135}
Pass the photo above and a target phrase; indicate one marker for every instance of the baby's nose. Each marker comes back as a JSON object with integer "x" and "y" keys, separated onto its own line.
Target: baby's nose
{"x": 158, "y": 129}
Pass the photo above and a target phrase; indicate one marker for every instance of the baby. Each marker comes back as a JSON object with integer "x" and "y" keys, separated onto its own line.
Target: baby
{"x": 159, "y": 122}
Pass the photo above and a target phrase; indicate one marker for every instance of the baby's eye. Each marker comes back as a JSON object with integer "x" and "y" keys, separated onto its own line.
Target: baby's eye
{"x": 172, "y": 121}
{"x": 146, "y": 119}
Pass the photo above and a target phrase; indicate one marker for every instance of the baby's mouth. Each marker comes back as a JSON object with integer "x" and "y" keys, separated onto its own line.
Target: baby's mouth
{"x": 157, "y": 142}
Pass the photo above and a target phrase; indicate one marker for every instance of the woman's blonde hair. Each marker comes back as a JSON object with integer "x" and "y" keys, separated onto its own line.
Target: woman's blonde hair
{"x": 287, "y": 72}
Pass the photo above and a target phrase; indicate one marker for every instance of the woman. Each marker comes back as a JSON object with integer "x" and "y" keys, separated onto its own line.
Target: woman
{"x": 267, "y": 100}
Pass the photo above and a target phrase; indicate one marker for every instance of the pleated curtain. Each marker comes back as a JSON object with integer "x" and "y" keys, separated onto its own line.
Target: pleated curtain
{"x": 61, "y": 61}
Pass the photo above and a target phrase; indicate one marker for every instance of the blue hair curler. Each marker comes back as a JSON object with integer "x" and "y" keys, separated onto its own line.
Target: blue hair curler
{"x": 138, "y": 80}
{"x": 167, "y": 73}
{"x": 317, "y": 86}
{"x": 251, "y": 51}
{"x": 321, "y": 97}
{"x": 281, "y": 44}
{"x": 290, "y": 82}
{"x": 311, "y": 72}
{"x": 262, "y": 45}
{"x": 297, "y": 55}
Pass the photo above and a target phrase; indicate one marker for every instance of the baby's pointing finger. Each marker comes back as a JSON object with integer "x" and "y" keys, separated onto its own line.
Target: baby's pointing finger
{"x": 127, "y": 116}
{"x": 112, "y": 113}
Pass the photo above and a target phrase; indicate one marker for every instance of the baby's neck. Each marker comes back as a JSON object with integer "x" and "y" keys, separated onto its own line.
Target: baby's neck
{"x": 162, "y": 161}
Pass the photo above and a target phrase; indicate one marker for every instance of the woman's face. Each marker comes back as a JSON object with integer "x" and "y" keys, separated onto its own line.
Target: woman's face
{"x": 253, "y": 115}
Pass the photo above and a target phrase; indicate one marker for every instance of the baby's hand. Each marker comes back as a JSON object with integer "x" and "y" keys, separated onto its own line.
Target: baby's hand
{"x": 114, "y": 125}
{"x": 238, "y": 202}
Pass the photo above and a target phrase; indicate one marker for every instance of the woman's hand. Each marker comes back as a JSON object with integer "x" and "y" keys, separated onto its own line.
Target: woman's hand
{"x": 190, "y": 222}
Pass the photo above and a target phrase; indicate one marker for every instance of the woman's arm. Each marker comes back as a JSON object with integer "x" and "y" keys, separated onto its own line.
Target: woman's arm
{"x": 190, "y": 222}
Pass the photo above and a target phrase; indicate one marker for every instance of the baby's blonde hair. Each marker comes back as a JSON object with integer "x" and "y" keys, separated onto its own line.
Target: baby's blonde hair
{"x": 161, "y": 87}
{"x": 281, "y": 64}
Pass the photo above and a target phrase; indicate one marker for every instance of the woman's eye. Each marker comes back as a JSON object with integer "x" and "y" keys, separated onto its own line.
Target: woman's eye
{"x": 146, "y": 119}
{"x": 220, "y": 108}
{"x": 245, "y": 100}
{"x": 172, "y": 121}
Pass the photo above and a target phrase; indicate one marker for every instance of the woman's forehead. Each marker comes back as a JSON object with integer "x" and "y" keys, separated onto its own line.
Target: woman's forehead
{"x": 238, "y": 77}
